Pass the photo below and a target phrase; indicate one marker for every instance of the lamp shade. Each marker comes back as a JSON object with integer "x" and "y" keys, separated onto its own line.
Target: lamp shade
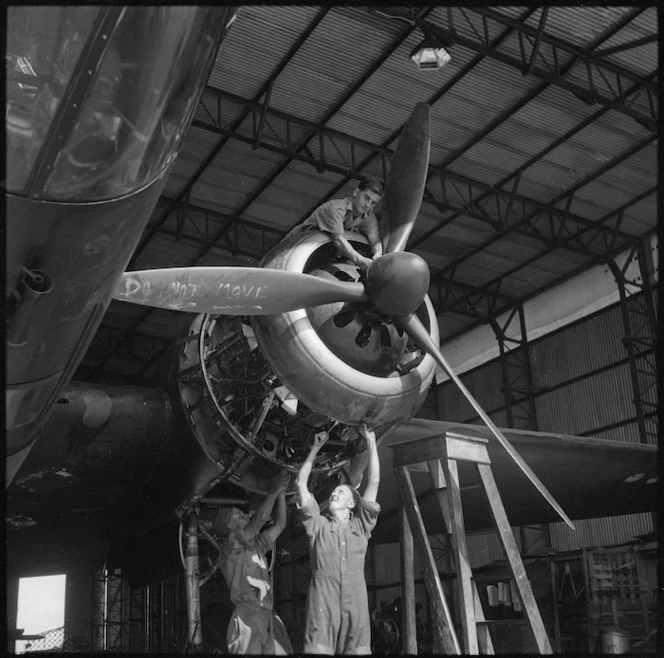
{"x": 430, "y": 54}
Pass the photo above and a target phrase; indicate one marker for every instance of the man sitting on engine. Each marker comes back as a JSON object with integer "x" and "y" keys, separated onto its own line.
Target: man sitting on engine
{"x": 354, "y": 213}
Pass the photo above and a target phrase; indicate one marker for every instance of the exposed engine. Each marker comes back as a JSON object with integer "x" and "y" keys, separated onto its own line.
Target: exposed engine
{"x": 233, "y": 399}
{"x": 255, "y": 391}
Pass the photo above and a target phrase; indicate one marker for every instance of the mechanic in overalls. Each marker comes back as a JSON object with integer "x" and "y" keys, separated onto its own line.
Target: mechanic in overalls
{"x": 254, "y": 628}
{"x": 338, "y": 620}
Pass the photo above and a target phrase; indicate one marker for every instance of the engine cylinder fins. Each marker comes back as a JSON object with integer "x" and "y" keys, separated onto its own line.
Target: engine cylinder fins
{"x": 345, "y": 360}
{"x": 357, "y": 334}
{"x": 242, "y": 416}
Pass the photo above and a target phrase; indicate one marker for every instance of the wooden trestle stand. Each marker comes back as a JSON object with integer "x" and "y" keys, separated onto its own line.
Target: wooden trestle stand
{"x": 441, "y": 454}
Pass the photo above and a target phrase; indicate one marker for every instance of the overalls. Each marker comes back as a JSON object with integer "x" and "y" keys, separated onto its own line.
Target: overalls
{"x": 338, "y": 620}
{"x": 253, "y": 625}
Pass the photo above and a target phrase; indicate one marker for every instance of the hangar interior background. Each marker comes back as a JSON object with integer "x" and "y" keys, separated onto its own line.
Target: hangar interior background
{"x": 538, "y": 225}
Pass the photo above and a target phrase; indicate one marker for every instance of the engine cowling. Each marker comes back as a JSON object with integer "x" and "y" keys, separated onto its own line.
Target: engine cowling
{"x": 256, "y": 390}
{"x": 318, "y": 370}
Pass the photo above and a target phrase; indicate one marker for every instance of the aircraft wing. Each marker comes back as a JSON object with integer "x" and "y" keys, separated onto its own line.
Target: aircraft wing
{"x": 587, "y": 476}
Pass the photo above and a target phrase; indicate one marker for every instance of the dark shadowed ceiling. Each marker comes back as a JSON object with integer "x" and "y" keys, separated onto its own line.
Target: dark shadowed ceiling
{"x": 543, "y": 156}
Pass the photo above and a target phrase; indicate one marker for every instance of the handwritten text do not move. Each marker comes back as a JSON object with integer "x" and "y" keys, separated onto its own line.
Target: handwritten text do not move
{"x": 224, "y": 290}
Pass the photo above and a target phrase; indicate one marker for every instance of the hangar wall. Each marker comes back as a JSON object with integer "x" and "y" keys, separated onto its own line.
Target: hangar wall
{"x": 572, "y": 300}
{"x": 581, "y": 382}
{"x": 581, "y": 386}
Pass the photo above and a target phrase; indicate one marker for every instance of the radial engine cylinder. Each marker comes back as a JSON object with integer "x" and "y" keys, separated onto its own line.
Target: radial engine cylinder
{"x": 246, "y": 421}
{"x": 254, "y": 392}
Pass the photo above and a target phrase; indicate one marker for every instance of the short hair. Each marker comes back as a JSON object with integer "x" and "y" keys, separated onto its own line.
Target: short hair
{"x": 356, "y": 495}
{"x": 372, "y": 184}
{"x": 220, "y": 526}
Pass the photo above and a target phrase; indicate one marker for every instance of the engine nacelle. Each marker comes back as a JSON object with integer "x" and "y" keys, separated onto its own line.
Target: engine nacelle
{"x": 317, "y": 368}
{"x": 255, "y": 391}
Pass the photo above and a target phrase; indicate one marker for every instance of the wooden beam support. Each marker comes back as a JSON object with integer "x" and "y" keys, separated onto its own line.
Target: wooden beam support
{"x": 514, "y": 559}
{"x": 444, "y": 636}
{"x": 408, "y": 621}
{"x": 483, "y": 635}
{"x": 449, "y": 444}
{"x": 441, "y": 453}
{"x": 437, "y": 477}
{"x": 465, "y": 575}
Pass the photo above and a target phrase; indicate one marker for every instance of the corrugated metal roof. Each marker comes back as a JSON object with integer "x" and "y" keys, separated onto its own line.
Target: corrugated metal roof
{"x": 493, "y": 123}
{"x": 642, "y": 58}
{"x": 635, "y": 219}
{"x": 579, "y": 25}
{"x": 256, "y": 44}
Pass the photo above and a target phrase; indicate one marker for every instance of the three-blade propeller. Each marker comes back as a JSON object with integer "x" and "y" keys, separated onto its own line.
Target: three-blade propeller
{"x": 396, "y": 282}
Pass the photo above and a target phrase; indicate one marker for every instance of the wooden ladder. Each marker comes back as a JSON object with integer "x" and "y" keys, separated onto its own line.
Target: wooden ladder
{"x": 440, "y": 454}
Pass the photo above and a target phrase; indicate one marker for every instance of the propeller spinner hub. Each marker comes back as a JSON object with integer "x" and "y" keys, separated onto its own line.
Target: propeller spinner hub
{"x": 357, "y": 335}
{"x": 398, "y": 282}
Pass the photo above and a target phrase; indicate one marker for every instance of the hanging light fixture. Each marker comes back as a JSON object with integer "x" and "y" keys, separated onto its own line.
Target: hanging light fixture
{"x": 430, "y": 54}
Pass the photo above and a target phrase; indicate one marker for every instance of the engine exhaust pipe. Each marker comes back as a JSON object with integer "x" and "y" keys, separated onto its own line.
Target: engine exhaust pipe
{"x": 34, "y": 284}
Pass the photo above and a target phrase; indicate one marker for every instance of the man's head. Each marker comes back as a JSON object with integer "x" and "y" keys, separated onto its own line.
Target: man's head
{"x": 343, "y": 498}
{"x": 366, "y": 195}
{"x": 230, "y": 518}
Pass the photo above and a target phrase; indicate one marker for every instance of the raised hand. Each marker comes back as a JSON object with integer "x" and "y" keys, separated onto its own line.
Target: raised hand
{"x": 319, "y": 439}
{"x": 367, "y": 432}
{"x": 305, "y": 470}
{"x": 363, "y": 262}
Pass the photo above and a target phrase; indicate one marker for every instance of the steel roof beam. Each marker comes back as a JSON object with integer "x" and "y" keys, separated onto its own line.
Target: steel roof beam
{"x": 628, "y": 46}
{"x": 303, "y": 141}
{"x": 358, "y": 84}
{"x": 595, "y": 59}
{"x": 535, "y": 211}
{"x": 483, "y": 303}
{"x": 554, "y": 54}
{"x": 352, "y": 152}
{"x": 251, "y": 240}
{"x": 506, "y": 211}
{"x": 111, "y": 341}
{"x": 459, "y": 75}
{"x": 600, "y": 258}
{"x": 498, "y": 310}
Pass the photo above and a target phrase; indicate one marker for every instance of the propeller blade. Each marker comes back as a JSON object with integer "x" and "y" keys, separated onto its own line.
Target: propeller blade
{"x": 404, "y": 188}
{"x": 232, "y": 290}
{"x": 416, "y": 330}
